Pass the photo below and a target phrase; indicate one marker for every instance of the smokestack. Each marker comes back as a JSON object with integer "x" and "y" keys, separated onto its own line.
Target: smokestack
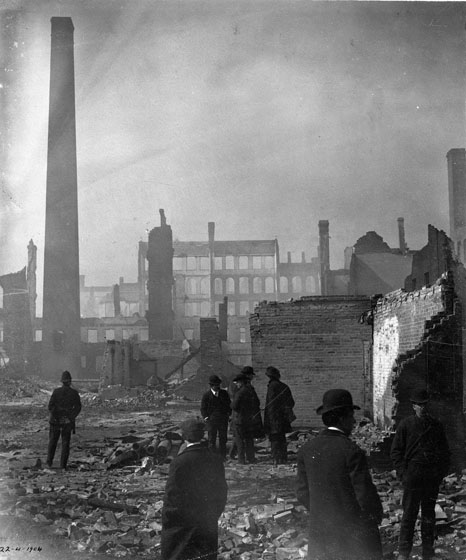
{"x": 211, "y": 230}
{"x": 223, "y": 319}
{"x": 61, "y": 342}
{"x": 456, "y": 161}
{"x": 289, "y": 256}
{"x": 116, "y": 300}
{"x": 324, "y": 254}
{"x": 401, "y": 235}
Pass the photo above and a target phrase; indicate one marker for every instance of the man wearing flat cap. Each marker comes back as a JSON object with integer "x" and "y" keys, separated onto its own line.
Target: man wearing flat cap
{"x": 195, "y": 496}
{"x": 216, "y": 411}
{"x": 64, "y": 406}
{"x": 421, "y": 457}
{"x": 335, "y": 485}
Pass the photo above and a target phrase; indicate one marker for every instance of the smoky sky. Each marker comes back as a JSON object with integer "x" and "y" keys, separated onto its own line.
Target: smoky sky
{"x": 264, "y": 117}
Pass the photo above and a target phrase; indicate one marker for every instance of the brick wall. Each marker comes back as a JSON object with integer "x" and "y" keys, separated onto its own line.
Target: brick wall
{"x": 317, "y": 343}
{"x": 399, "y": 326}
{"x": 418, "y": 344}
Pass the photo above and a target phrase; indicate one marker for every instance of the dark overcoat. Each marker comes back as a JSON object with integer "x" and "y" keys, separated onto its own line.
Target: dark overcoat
{"x": 64, "y": 405}
{"x": 335, "y": 485}
{"x": 195, "y": 496}
{"x": 247, "y": 416}
{"x": 422, "y": 441}
{"x": 279, "y": 403}
{"x": 216, "y": 408}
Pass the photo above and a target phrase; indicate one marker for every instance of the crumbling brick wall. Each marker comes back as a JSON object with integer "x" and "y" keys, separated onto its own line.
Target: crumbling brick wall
{"x": 417, "y": 344}
{"x": 317, "y": 343}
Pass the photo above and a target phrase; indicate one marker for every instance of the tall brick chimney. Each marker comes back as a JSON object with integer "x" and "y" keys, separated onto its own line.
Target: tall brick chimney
{"x": 324, "y": 254}
{"x": 401, "y": 235}
{"x": 211, "y": 233}
{"x": 160, "y": 283}
{"x": 456, "y": 161}
{"x": 61, "y": 337}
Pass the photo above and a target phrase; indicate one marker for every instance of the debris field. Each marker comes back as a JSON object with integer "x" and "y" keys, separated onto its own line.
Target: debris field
{"x": 108, "y": 503}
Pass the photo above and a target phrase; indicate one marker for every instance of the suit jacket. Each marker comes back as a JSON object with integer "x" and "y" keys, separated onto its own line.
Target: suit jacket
{"x": 64, "y": 404}
{"x": 278, "y": 403}
{"x": 334, "y": 484}
{"x": 422, "y": 441}
{"x": 216, "y": 408}
{"x": 195, "y": 496}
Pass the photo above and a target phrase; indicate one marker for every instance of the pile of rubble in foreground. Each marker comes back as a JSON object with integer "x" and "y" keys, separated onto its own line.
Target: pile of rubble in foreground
{"x": 114, "y": 506}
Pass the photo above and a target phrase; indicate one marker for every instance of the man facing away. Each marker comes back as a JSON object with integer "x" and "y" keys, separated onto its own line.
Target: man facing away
{"x": 64, "y": 406}
{"x": 247, "y": 419}
{"x": 421, "y": 456}
{"x": 195, "y": 496}
{"x": 335, "y": 485}
{"x": 278, "y": 412}
{"x": 216, "y": 410}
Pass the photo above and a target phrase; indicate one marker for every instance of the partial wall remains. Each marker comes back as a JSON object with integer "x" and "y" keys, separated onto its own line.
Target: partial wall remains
{"x": 317, "y": 343}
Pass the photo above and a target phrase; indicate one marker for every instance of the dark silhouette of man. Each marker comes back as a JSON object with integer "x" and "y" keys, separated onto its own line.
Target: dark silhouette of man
{"x": 64, "y": 406}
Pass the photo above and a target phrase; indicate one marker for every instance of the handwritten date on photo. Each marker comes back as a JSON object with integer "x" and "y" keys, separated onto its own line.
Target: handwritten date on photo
{"x": 20, "y": 549}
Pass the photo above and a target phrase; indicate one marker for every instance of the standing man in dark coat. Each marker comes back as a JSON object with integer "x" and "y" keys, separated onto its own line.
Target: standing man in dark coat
{"x": 278, "y": 412}
{"x": 195, "y": 496}
{"x": 216, "y": 411}
{"x": 247, "y": 419}
{"x": 421, "y": 456}
{"x": 64, "y": 406}
{"x": 335, "y": 485}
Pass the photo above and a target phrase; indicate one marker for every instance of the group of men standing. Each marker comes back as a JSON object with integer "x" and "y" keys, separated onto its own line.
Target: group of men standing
{"x": 242, "y": 411}
{"x": 333, "y": 478}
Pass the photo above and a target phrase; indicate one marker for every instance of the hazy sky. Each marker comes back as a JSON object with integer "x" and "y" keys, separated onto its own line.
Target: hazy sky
{"x": 262, "y": 116}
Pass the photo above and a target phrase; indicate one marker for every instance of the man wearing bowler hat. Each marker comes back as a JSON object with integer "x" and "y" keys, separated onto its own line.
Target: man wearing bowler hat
{"x": 421, "y": 456}
{"x": 216, "y": 410}
{"x": 64, "y": 406}
{"x": 195, "y": 496}
{"x": 335, "y": 485}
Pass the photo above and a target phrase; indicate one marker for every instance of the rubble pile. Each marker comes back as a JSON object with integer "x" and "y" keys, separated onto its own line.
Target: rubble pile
{"x": 12, "y": 389}
{"x": 110, "y": 501}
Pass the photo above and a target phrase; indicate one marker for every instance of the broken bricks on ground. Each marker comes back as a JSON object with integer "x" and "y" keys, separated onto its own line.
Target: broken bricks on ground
{"x": 111, "y": 500}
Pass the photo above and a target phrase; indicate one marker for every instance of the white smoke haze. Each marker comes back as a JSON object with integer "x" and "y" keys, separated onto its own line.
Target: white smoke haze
{"x": 264, "y": 117}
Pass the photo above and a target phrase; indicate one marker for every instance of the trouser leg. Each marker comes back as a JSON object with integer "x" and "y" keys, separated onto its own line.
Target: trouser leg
{"x": 428, "y": 501}
{"x": 54, "y": 435}
{"x": 212, "y": 435}
{"x": 222, "y": 438}
{"x": 250, "y": 453}
{"x": 65, "y": 446}
{"x": 411, "y": 502}
{"x": 234, "y": 448}
{"x": 281, "y": 451}
{"x": 240, "y": 446}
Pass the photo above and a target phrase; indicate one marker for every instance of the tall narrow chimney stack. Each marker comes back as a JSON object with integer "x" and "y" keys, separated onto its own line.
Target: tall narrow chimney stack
{"x": 401, "y": 235}
{"x": 61, "y": 337}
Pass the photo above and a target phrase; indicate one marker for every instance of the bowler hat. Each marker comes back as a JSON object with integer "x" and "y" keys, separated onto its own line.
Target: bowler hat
{"x": 215, "y": 380}
{"x": 419, "y": 396}
{"x": 247, "y": 370}
{"x": 240, "y": 377}
{"x": 66, "y": 376}
{"x": 193, "y": 429}
{"x": 272, "y": 372}
{"x": 336, "y": 398}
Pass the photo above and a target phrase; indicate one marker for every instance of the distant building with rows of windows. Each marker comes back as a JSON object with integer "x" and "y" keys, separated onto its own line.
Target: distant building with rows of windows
{"x": 245, "y": 272}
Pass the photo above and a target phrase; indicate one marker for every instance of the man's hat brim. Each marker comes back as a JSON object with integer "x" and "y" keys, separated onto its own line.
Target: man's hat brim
{"x": 322, "y": 409}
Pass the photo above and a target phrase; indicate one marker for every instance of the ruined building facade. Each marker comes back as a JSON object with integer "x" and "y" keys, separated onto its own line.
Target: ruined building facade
{"x": 418, "y": 341}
